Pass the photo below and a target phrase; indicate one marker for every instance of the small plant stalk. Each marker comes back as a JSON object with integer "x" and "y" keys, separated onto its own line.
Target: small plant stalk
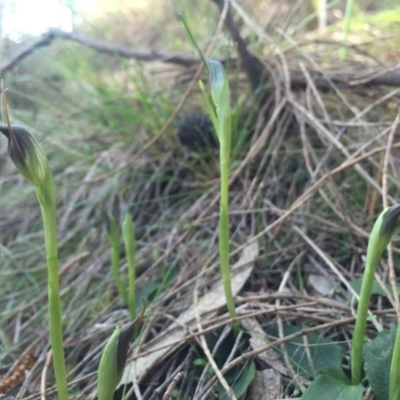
{"x": 31, "y": 162}
{"x": 346, "y": 26}
{"x": 224, "y": 226}
{"x": 394, "y": 385}
{"x": 361, "y": 321}
{"x": 46, "y": 196}
{"x": 222, "y": 121}
{"x": 128, "y": 233}
{"x": 113, "y": 239}
{"x": 379, "y": 238}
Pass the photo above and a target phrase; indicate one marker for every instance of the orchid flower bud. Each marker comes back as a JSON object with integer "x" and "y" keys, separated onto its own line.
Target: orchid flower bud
{"x": 109, "y": 374}
{"x": 382, "y": 233}
{"x": 26, "y": 153}
{"x": 218, "y": 82}
{"x": 114, "y": 357}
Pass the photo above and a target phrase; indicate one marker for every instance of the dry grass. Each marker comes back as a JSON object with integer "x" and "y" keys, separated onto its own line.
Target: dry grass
{"x": 306, "y": 186}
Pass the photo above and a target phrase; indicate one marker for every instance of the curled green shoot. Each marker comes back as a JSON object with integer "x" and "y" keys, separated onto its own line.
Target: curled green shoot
{"x": 221, "y": 119}
{"x": 379, "y": 238}
{"x": 30, "y": 160}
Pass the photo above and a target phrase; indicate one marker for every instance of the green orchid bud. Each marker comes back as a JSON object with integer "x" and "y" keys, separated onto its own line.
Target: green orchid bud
{"x": 109, "y": 374}
{"x": 26, "y": 153}
{"x": 382, "y": 233}
{"x": 114, "y": 357}
{"x": 218, "y": 82}
{"x": 379, "y": 238}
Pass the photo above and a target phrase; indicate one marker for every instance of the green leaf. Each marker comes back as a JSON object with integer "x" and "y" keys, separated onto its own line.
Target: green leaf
{"x": 378, "y": 357}
{"x": 324, "y": 354}
{"x": 240, "y": 382}
{"x": 210, "y": 109}
{"x": 376, "y": 288}
{"x": 327, "y": 387}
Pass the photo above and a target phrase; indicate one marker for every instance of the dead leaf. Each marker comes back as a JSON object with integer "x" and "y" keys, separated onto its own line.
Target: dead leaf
{"x": 209, "y": 304}
{"x": 259, "y": 339}
{"x": 266, "y": 385}
{"x": 321, "y": 284}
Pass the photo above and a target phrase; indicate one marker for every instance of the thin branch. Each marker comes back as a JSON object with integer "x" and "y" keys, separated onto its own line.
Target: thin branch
{"x": 104, "y": 47}
{"x": 363, "y": 78}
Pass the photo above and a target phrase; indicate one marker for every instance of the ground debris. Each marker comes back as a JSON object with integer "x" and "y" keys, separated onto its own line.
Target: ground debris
{"x": 267, "y": 385}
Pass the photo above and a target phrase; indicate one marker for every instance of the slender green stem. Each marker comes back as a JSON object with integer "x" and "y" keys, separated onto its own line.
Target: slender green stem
{"x": 128, "y": 232}
{"x": 361, "y": 321}
{"x": 225, "y": 148}
{"x": 222, "y": 121}
{"x": 379, "y": 238}
{"x": 46, "y": 196}
{"x": 113, "y": 239}
{"x": 394, "y": 387}
{"x": 224, "y": 236}
{"x": 346, "y": 27}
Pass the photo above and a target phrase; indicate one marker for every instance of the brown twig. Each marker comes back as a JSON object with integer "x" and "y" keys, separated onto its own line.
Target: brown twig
{"x": 256, "y": 73}
{"x": 172, "y": 386}
{"x": 104, "y": 47}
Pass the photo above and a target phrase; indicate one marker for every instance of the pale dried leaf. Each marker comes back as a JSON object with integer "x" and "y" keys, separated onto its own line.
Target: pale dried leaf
{"x": 321, "y": 284}
{"x": 209, "y": 304}
{"x": 259, "y": 339}
{"x": 267, "y": 385}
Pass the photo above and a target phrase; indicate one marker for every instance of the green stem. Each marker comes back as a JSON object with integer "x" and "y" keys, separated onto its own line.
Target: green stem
{"x": 113, "y": 239}
{"x": 361, "y": 322}
{"x": 224, "y": 216}
{"x": 394, "y": 388}
{"x": 346, "y": 27}
{"x": 379, "y": 239}
{"x": 46, "y": 196}
{"x": 128, "y": 233}
{"x": 115, "y": 271}
{"x": 224, "y": 240}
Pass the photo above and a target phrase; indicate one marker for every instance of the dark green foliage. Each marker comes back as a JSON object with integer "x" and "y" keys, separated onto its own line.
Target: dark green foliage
{"x": 327, "y": 387}
{"x": 324, "y": 354}
{"x": 376, "y": 288}
{"x": 378, "y": 356}
{"x": 239, "y": 380}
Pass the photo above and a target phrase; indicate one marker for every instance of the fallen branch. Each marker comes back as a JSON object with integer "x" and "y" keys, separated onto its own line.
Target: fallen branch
{"x": 105, "y": 47}
{"x": 362, "y": 78}
{"x": 379, "y": 77}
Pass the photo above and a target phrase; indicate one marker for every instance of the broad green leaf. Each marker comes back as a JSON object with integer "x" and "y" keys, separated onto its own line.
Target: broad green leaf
{"x": 378, "y": 357}
{"x": 324, "y": 353}
{"x": 240, "y": 382}
{"x": 326, "y": 387}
